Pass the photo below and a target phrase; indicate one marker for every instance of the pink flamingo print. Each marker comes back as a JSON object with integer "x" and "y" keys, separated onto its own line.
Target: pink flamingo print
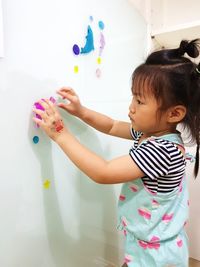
{"x": 122, "y": 197}
{"x": 179, "y": 242}
{"x": 155, "y": 203}
{"x": 167, "y": 217}
{"x": 134, "y": 188}
{"x": 153, "y": 244}
{"x": 144, "y": 212}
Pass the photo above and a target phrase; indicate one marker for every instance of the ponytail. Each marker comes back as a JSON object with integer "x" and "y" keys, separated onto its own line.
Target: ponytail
{"x": 190, "y": 48}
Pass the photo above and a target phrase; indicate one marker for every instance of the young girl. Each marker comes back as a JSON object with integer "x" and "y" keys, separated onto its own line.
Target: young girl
{"x": 153, "y": 204}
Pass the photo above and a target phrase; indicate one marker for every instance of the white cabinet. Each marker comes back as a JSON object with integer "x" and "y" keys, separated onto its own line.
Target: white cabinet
{"x": 171, "y": 36}
{"x": 172, "y": 21}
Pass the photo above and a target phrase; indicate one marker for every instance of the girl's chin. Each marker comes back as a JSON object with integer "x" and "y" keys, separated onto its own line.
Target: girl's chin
{"x": 135, "y": 127}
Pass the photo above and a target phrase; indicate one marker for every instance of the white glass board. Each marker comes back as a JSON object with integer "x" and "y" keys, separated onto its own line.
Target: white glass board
{"x": 71, "y": 223}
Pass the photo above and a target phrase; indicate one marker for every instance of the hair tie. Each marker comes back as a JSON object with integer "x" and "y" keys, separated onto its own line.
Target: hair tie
{"x": 197, "y": 70}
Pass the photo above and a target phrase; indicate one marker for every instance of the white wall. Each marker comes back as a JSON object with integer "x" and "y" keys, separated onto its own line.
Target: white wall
{"x": 144, "y": 8}
{"x": 72, "y": 223}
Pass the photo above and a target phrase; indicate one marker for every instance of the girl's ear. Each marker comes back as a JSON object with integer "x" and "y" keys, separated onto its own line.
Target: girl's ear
{"x": 176, "y": 114}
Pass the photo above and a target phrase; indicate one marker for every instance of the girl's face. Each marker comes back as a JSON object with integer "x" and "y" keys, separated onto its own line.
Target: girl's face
{"x": 143, "y": 113}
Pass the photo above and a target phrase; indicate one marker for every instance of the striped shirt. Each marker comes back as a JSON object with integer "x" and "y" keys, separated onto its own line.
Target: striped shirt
{"x": 161, "y": 161}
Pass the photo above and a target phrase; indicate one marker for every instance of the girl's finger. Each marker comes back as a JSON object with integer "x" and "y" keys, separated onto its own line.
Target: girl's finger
{"x": 62, "y": 105}
{"x": 69, "y": 97}
{"x": 66, "y": 89}
{"x": 41, "y": 113}
{"x": 51, "y": 109}
{"x": 51, "y": 105}
{"x": 43, "y": 103}
{"x": 37, "y": 121}
{"x": 63, "y": 91}
{"x": 65, "y": 106}
{"x": 48, "y": 106}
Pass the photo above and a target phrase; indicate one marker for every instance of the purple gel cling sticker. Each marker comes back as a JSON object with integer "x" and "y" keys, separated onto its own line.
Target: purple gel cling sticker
{"x": 102, "y": 43}
{"x": 39, "y": 106}
{"x": 76, "y": 49}
{"x": 52, "y": 99}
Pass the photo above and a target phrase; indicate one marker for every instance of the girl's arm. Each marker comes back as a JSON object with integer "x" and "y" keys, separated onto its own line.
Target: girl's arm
{"x": 119, "y": 170}
{"x": 95, "y": 119}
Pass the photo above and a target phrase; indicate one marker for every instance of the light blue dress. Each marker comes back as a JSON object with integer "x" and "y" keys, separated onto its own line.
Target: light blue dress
{"x": 153, "y": 223}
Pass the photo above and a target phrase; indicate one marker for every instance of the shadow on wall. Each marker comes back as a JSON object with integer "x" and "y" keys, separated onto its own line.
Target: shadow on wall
{"x": 95, "y": 201}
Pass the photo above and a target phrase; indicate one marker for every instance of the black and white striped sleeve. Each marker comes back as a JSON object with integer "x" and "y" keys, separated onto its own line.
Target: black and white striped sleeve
{"x": 152, "y": 158}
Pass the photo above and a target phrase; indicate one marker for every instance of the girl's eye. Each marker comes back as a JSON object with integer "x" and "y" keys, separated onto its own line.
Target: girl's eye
{"x": 139, "y": 102}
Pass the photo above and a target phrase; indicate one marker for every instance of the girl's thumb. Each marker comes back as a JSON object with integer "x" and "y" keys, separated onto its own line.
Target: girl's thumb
{"x": 62, "y": 105}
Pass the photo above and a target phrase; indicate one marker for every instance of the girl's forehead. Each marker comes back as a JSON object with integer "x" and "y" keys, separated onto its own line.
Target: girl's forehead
{"x": 144, "y": 92}
{"x": 142, "y": 86}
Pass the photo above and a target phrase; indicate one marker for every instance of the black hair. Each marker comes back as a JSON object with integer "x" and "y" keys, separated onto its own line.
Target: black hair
{"x": 174, "y": 79}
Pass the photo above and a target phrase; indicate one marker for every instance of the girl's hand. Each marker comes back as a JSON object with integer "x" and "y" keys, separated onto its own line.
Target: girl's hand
{"x": 74, "y": 106}
{"x": 51, "y": 121}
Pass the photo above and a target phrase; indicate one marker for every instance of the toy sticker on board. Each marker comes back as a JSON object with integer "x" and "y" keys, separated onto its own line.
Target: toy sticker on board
{"x": 89, "y": 45}
{"x": 1, "y": 30}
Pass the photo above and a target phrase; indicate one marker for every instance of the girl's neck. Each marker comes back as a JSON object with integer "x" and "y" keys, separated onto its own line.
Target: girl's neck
{"x": 159, "y": 133}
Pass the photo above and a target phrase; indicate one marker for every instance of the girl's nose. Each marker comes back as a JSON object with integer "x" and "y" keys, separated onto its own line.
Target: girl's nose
{"x": 132, "y": 107}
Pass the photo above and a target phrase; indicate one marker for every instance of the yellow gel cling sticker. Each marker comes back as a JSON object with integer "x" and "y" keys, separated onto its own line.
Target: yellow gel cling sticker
{"x": 46, "y": 184}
